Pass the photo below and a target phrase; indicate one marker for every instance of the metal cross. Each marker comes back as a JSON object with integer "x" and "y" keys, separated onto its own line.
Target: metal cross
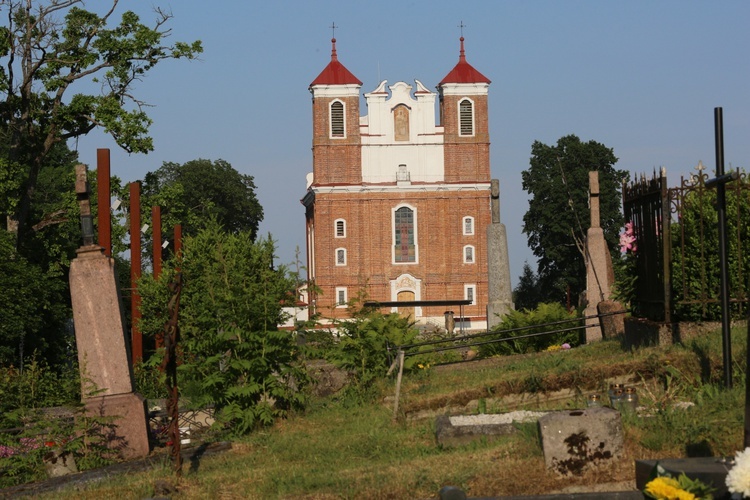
{"x": 462, "y": 26}
{"x": 333, "y": 29}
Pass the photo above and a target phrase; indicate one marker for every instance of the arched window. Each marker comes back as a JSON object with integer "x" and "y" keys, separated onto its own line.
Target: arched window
{"x": 468, "y": 226}
{"x": 468, "y": 254}
{"x": 340, "y": 256}
{"x": 404, "y": 235}
{"x": 340, "y": 228}
{"x": 337, "y": 119}
{"x": 466, "y": 118}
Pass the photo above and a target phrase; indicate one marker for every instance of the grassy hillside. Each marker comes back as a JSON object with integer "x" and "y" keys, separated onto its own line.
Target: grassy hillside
{"x": 350, "y": 447}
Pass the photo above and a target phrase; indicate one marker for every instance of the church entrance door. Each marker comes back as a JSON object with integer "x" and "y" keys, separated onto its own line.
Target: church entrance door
{"x": 406, "y": 296}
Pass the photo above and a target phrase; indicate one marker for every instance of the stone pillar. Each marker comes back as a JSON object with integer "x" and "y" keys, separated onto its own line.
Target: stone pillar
{"x": 103, "y": 355}
{"x": 500, "y": 299}
{"x": 599, "y": 272}
{"x": 102, "y": 351}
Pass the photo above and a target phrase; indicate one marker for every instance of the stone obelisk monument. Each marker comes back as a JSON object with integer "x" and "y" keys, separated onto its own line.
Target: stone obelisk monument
{"x": 106, "y": 374}
{"x": 500, "y": 300}
{"x": 599, "y": 271}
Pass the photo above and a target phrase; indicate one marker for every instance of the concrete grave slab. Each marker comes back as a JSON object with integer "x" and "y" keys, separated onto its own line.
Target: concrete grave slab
{"x": 574, "y": 441}
{"x": 463, "y": 429}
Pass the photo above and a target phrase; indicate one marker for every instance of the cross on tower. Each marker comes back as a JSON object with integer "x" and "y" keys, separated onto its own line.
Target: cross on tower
{"x": 333, "y": 29}
{"x": 462, "y": 26}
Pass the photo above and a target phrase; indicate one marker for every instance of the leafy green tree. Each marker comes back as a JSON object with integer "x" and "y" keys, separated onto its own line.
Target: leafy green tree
{"x": 558, "y": 214}
{"x": 196, "y": 192}
{"x": 32, "y": 308}
{"x": 50, "y": 48}
{"x": 527, "y": 293}
{"x": 234, "y": 355}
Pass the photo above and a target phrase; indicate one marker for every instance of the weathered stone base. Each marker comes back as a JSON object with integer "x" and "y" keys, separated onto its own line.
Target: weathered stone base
{"x": 129, "y": 431}
{"x": 574, "y": 441}
{"x": 612, "y": 325}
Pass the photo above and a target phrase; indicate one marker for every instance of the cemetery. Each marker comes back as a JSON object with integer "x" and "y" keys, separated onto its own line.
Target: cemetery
{"x": 153, "y": 346}
{"x": 565, "y": 406}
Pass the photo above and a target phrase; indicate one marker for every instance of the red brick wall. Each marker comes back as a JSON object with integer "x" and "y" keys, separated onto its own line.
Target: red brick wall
{"x": 369, "y": 240}
{"x": 467, "y": 159}
{"x": 336, "y": 160}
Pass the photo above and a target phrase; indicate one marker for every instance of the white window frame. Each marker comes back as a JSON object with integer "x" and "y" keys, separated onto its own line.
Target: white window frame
{"x": 336, "y": 256}
{"x": 473, "y": 115}
{"x": 470, "y": 220}
{"x": 336, "y": 228}
{"x": 473, "y": 254}
{"x": 473, "y": 297}
{"x": 343, "y": 119}
{"x": 393, "y": 234}
{"x": 341, "y": 290}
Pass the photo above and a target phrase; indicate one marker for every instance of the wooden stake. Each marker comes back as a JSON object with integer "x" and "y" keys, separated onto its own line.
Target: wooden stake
{"x": 398, "y": 383}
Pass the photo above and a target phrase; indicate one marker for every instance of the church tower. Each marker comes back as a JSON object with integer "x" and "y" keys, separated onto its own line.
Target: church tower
{"x": 397, "y": 205}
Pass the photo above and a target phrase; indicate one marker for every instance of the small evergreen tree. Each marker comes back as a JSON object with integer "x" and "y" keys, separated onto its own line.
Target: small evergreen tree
{"x": 527, "y": 293}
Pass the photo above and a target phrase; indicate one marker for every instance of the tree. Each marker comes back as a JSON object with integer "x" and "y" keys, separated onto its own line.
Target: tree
{"x": 48, "y": 48}
{"x": 527, "y": 293}
{"x": 558, "y": 214}
{"x": 201, "y": 190}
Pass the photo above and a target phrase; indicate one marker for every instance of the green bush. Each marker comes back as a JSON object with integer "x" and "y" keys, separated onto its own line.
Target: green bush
{"x": 233, "y": 356}
{"x": 37, "y": 386}
{"x": 524, "y": 323}
{"x": 363, "y": 344}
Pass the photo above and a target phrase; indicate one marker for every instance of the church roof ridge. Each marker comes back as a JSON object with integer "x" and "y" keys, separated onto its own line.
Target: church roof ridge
{"x": 335, "y": 73}
{"x": 463, "y": 72}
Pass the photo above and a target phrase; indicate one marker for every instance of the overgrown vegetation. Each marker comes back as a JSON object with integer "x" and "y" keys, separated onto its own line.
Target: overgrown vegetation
{"x": 42, "y": 418}
{"x": 234, "y": 357}
{"x": 695, "y": 251}
{"x": 520, "y": 330}
{"x": 372, "y": 456}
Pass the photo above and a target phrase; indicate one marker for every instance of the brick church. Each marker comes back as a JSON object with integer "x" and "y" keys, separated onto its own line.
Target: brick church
{"x": 397, "y": 205}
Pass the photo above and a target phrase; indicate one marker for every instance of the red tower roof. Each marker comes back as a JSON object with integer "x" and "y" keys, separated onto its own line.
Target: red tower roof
{"x": 335, "y": 73}
{"x": 464, "y": 72}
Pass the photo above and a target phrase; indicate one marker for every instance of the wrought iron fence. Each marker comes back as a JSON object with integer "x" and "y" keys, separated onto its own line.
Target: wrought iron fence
{"x": 677, "y": 263}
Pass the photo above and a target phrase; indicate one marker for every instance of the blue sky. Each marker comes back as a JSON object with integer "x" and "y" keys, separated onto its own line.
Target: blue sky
{"x": 641, "y": 77}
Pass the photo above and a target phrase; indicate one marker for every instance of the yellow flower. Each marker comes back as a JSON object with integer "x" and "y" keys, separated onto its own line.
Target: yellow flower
{"x": 666, "y": 488}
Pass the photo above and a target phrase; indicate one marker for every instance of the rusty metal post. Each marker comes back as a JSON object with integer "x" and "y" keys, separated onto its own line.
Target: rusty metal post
{"x": 103, "y": 197}
{"x": 135, "y": 272}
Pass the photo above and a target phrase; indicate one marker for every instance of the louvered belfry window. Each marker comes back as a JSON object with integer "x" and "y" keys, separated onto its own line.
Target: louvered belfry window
{"x": 466, "y": 117}
{"x": 337, "y": 119}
